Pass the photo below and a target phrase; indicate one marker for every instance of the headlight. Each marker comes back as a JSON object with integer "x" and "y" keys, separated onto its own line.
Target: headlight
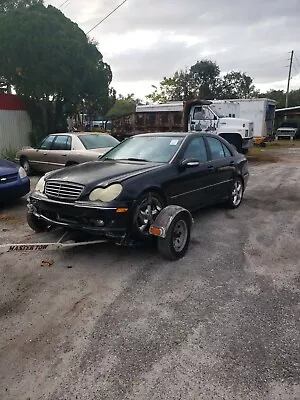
{"x": 106, "y": 195}
{"x": 40, "y": 186}
{"x": 22, "y": 173}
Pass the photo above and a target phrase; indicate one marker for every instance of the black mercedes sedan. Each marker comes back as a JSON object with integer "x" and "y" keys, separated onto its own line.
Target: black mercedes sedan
{"x": 125, "y": 190}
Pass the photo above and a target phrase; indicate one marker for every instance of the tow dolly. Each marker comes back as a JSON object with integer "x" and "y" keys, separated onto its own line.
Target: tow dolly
{"x": 172, "y": 228}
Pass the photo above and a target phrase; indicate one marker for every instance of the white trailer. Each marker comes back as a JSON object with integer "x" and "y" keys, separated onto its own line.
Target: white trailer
{"x": 260, "y": 110}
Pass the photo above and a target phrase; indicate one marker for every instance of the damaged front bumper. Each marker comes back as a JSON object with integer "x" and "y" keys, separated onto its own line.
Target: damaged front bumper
{"x": 89, "y": 217}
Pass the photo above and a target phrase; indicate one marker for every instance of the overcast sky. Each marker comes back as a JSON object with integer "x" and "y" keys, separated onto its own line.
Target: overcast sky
{"x": 146, "y": 40}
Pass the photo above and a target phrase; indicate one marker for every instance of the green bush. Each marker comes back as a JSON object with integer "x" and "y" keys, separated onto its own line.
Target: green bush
{"x": 8, "y": 154}
{"x": 35, "y": 138}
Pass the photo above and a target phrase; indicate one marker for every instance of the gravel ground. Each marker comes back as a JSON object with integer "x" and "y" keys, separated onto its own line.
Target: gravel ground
{"x": 105, "y": 322}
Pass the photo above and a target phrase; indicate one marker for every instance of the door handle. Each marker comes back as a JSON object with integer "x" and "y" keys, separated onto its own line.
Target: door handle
{"x": 210, "y": 167}
{"x": 64, "y": 155}
{"x": 231, "y": 162}
{"x": 45, "y": 154}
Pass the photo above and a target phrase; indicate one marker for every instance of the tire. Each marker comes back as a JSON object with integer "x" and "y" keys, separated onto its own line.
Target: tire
{"x": 25, "y": 164}
{"x": 236, "y": 194}
{"x": 36, "y": 224}
{"x": 147, "y": 208}
{"x": 234, "y": 139}
{"x": 237, "y": 143}
{"x": 175, "y": 245}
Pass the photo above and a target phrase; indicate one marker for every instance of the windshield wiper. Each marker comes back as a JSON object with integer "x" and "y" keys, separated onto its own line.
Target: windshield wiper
{"x": 136, "y": 159}
{"x": 125, "y": 159}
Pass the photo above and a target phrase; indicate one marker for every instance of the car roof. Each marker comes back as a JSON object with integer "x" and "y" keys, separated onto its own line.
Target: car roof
{"x": 176, "y": 134}
{"x": 78, "y": 133}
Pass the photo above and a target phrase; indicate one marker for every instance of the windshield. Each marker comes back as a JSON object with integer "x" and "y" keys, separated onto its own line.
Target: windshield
{"x": 146, "y": 148}
{"x": 98, "y": 141}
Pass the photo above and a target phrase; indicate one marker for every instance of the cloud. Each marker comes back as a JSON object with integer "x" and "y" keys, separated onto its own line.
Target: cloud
{"x": 147, "y": 40}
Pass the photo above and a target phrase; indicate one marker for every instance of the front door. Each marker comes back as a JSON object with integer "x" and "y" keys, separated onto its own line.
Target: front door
{"x": 202, "y": 119}
{"x": 191, "y": 187}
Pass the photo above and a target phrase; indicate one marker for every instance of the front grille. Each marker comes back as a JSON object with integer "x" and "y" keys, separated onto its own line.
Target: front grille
{"x": 66, "y": 191}
{"x": 8, "y": 178}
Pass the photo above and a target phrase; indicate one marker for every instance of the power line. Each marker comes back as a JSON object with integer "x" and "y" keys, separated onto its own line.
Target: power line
{"x": 295, "y": 69}
{"x": 297, "y": 60}
{"x": 120, "y": 5}
{"x": 66, "y": 1}
{"x": 66, "y": 4}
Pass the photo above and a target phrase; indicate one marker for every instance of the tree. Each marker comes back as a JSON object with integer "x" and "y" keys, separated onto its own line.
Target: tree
{"x": 205, "y": 77}
{"x": 203, "y": 80}
{"x": 278, "y": 95}
{"x": 50, "y": 61}
{"x": 123, "y": 106}
{"x": 200, "y": 81}
{"x": 236, "y": 85}
{"x": 294, "y": 98}
{"x": 10, "y": 5}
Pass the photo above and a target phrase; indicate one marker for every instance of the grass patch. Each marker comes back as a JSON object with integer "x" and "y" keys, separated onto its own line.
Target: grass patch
{"x": 259, "y": 154}
{"x": 281, "y": 144}
{"x": 8, "y": 154}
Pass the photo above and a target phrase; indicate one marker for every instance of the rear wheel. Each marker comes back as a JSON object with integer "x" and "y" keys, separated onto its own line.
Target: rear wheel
{"x": 36, "y": 224}
{"x": 175, "y": 245}
{"x": 148, "y": 206}
{"x": 236, "y": 193}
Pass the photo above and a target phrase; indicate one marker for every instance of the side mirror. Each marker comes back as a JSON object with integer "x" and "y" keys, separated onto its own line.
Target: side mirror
{"x": 189, "y": 163}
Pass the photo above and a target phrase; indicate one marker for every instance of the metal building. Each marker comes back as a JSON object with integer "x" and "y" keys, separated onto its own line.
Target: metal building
{"x": 15, "y": 124}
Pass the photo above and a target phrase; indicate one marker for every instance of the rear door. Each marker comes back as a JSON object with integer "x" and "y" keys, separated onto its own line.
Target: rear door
{"x": 223, "y": 166}
{"x": 190, "y": 189}
{"x": 60, "y": 152}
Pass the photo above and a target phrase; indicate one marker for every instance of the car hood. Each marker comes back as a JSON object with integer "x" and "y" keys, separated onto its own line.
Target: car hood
{"x": 7, "y": 167}
{"x": 102, "y": 173}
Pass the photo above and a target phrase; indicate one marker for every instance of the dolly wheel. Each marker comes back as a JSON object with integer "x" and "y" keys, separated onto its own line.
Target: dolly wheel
{"x": 175, "y": 245}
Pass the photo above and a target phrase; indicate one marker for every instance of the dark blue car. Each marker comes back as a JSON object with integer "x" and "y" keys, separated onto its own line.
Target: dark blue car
{"x": 14, "y": 182}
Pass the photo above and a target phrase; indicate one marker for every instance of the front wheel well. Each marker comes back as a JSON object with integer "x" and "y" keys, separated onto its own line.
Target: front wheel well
{"x": 23, "y": 158}
{"x": 233, "y": 138}
{"x": 157, "y": 191}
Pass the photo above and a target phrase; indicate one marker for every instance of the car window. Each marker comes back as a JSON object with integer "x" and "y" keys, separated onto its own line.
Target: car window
{"x": 146, "y": 148}
{"x": 216, "y": 148}
{"x": 94, "y": 141}
{"x": 196, "y": 149}
{"x": 62, "y": 143}
{"x": 47, "y": 143}
{"x": 227, "y": 152}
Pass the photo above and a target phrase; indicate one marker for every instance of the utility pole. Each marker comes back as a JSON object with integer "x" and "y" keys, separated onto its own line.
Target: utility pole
{"x": 289, "y": 80}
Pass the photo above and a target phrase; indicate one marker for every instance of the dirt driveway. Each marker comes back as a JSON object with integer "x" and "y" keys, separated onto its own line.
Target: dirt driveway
{"x": 110, "y": 323}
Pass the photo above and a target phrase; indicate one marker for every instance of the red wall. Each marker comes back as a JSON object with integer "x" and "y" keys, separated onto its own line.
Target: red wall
{"x": 11, "y": 102}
